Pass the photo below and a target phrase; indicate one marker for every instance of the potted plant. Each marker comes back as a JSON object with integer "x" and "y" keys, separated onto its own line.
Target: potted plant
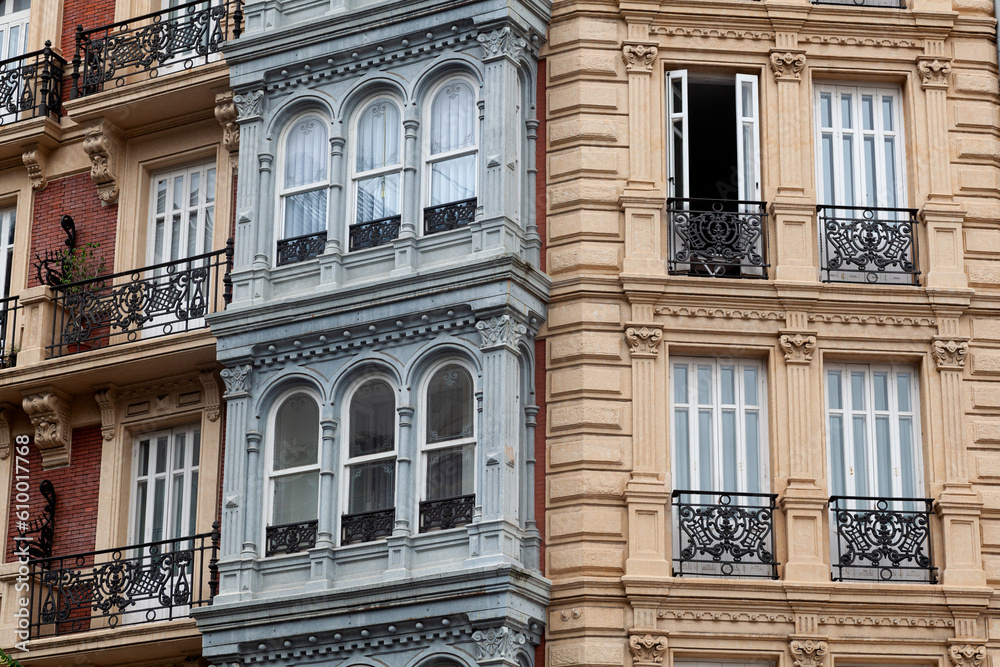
{"x": 80, "y": 265}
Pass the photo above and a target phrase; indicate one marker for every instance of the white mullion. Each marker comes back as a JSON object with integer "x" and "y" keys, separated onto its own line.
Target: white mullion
{"x": 742, "y": 409}
{"x": 7, "y": 221}
{"x": 694, "y": 428}
{"x": 836, "y": 147}
{"x": 894, "y": 438}
{"x": 881, "y": 186}
{"x": 715, "y": 445}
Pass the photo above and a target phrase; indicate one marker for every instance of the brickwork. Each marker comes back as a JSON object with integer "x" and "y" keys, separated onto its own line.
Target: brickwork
{"x": 89, "y": 14}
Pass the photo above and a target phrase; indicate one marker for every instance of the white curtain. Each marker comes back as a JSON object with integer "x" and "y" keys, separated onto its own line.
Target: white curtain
{"x": 453, "y": 127}
{"x": 306, "y": 164}
{"x": 378, "y": 136}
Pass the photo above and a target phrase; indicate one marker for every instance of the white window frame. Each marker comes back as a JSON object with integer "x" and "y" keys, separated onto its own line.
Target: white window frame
{"x": 430, "y": 160}
{"x": 20, "y": 20}
{"x": 677, "y": 119}
{"x": 8, "y": 228}
{"x": 357, "y": 176}
{"x": 309, "y": 187}
{"x": 200, "y": 210}
{"x": 270, "y": 473}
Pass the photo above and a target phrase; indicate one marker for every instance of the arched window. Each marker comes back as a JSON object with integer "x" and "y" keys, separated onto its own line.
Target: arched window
{"x": 294, "y": 475}
{"x": 449, "y": 450}
{"x": 303, "y": 187}
{"x": 370, "y": 464}
{"x": 377, "y": 175}
{"x": 451, "y": 158}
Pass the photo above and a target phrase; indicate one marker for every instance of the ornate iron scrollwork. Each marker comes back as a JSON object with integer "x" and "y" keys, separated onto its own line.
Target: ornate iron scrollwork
{"x": 290, "y": 538}
{"x": 717, "y": 238}
{"x": 719, "y": 537}
{"x": 869, "y": 245}
{"x": 449, "y": 216}
{"x": 366, "y": 526}
{"x": 8, "y": 331}
{"x": 374, "y": 233}
{"x": 43, "y": 527}
{"x": 883, "y": 539}
{"x": 300, "y": 248}
{"x": 31, "y": 85}
{"x": 446, "y": 513}
{"x": 51, "y": 269}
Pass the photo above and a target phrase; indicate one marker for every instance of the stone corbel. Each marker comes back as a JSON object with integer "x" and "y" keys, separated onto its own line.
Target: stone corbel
{"x": 226, "y": 114}
{"x": 787, "y": 65}
{"x": 950, "y": 353}
{"x": 35, "y": 158}
{"x": 967, "y": 655}
{"x": 6, "y": 415}
{"x": 797, "y": 347}
{"x": 211, "y": 387}
{"x": 48, "y": 409}
{"x": 102, "y": 143}
{"x": 933, "y": 71}
{"x": 647, "y": 649}
{"x": 644, "y": 340}
{"x": 639, "y": 57}
{"x": 808, "y": 652}
{"x": 107, "y": 398}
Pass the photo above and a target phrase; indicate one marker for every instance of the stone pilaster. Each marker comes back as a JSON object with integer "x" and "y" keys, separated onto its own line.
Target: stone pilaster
{"x": 237, "y": 395}
{"x": 787, "y": 63}
{"x": 248, "y": 107}
{"x": 499, "y": 646}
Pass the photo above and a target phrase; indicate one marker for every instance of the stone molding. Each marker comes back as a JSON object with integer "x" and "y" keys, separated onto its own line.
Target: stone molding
{"x": 248, "y": 105}
{"x": 502, "y": 42}
{"x": 35, "y": 159}
{"x": 797, "y": 347}
{"x": 808, "y": 652}
{"x": 639, "y": 57}
{"x": 6, "y": 416}
{"x": 967, "y": 655}
{"x": 226, "y": 114}
{"x": 102, "y": 144}
{"x": 647, "y": 648}
{"x": 933, "y": 71}
{"x": 503, "y": 330}
{"x": 950, "y": 353}
{"x": 211, "y": 388}
{"x": 107, "y": 398}
{"x": 48, "y": 409}
{"x": 644, "y": 341}
{"x": 237, "y": 380}
{"x": 787, "y": 65}
{"x": 501, "y": 642}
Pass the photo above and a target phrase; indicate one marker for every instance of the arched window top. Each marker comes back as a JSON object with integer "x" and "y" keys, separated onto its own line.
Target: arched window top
{"x": 306, "y": 149}
{"x": 453, "y": 117}
{"x": 449, "y": 404}
{"x": 296, "y": 432}
{"x": 372, "y": 419}
{"x": 378, "y": 136}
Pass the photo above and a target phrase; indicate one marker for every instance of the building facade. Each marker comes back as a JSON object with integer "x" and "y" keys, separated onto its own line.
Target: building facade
{"x": 772, "y": 336}
{"x": 379, "y": 352}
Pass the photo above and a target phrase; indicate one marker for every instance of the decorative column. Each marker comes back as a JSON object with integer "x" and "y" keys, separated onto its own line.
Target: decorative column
{"x": 405, "y": 246}
{"x": 331, "y": 262}
{"x": 646, "y": 643}
{"x": 322, "y": 567}
{"x": 803, "y": 502}
{"x": 531, "y": 551}
{"x": 248, "y": 107}
{"x": 399, "y": 543}
{"x": 532, "y": 240}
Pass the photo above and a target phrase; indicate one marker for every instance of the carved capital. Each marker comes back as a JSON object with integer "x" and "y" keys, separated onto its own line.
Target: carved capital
{"x": 967, "y": 655}
{"x": 211, "y": 388}
{"x": 639, "y": 57}
{"x": 48, "y": 409}
{"x": 249, "y": 104}
{"x": 102, "y": 143}
{"x": 808, "y": 653}
{"x": 950, "y": 353}
{"x": 502, "y": 42}
{"x": 501, "y": 642}
{"x": 647, "y": 648}
{"x": 498, "y": 331}
{"x": 643, "y": 340}
{"x": 798, "y": 347}
{"x": 35, "y": 158}
{"x": 933, "y": 71}
{"x": 787, "y": 65}
{"x": 107, "y": 398}
{"x": 237, "y": 380}
{"x": 226, "y": 114}
{"x": 6, "y": 415}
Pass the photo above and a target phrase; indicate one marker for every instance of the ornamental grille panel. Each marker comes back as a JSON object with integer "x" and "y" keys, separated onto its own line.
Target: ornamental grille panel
{"x": 446, "y": 513}
{"x": 290, "y": 538}
{"x": 717, "y": 238}
{"x": 8, "y": 331}
{"x": 449, "y": 216}
{"x": 894, "y": 4}
{"x": 366, "y": 526}
{"x": 868, "y": 245}
{"x": 37, "y": 533}
{"x": 146, "y": 303}
{"x": 31, "y": 86}
{"x": 882, "y": 539}
{"x": 723, "y": 534}
{"x": 180, "y": 37}
{"x": 300, "y": 248}
{"x": 374, "y": 233}
{"x": 155, "y": 581}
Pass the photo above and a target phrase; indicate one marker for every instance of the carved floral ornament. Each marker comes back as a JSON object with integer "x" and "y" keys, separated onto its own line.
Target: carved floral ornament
{"x": 934, "y": 72}
{"x": 967, "y": 655}
{"x": 787, "y": 65}
{"x": 643, "y": 340}
{"x": 237, "y": 379}
{"x": 647, "y": 648}
{"x": 639, "y": 57}
{"x": 102, "y": 143}
{"x": 226, "y": 114}
{"x": 950, "y": 354}
{"x": 503, "y": 330}
{"x": 502, "y": 42}
{"x": 798, "y": 347}
{"x": 808, "y": 653}
{"x": 35, "y": 160}
{"x": 48, "y": 410}
{"x": 501, "y": 642}
{"x": 248, "y": 104}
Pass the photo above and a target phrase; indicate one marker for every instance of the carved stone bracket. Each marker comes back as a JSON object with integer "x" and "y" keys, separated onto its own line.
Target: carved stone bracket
{"x": 950, "y": 353}
{"x": 643, "y": 340}
{"x": 48, "y": 409}
{"x": 35, "y": 158}
{"x": 6, "y": 415}
{"x": 237, "y": 380}
{"x": 787, "y": 65}
{"x": 107, "y": 398}
{"x": 211, "y": 387}
{"x": 933, "y": 71}
{"x": 639, "y": 57}
{"x": 249, "y": 104}
{"x": 647, "y": 648}
{"x": 498, "y": 643}
{"x": 498, "y": 331}
{"x": 808, "y": 653}
{"x": 797, "y": 347}
{"x": 502, "y": 42}
{"x": 226, "y": 114}
{"x": 967, "y": 655}
{"x": 102, "y": 143}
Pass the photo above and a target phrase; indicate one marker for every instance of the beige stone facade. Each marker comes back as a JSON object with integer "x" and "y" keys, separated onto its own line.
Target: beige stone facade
{"x": 628, "y": 322}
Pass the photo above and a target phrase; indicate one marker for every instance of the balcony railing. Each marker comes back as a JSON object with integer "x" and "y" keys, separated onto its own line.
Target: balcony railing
{"x": 449, "y": 216}
{"x": 882, "y": 539}
{"x": 290, "y": 538}
{"x": 446, "y": 513}
{"x": 9, "y": 308}
{"x": 374, "y": 233}
{"x": 31, "y": 86}
{"x": 720, "y": 537}
{"x": 156, "y": 581}
{"x": 868, "y": 245}
{"x": 717, "y": 238}
{"x": 146, "y": 303}
{"x": 162, "y": 42}
{"x": 892, "y": 4}
{"x": 366, "y": 526}
{"x": 300, "y": 248}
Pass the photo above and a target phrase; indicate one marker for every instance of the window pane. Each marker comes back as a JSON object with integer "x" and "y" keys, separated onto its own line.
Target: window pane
{"x": 750, "y": 385}
{"x": 829, "y": 193}
{"x": 838, "y": 479}
{"x": 833, "y": 390}
{"x": 881, "y": 391}
{"x": 372, "y": 486}
{"x": 296, "y": 498}
{"x": 378, "y": 198}
{"x": 903, "y": 385}
{"x": 887, "y": 119}
{"x": 373, "y": 419}
{"x": 753, "y": 452}
{"x": 306, "y": 149}
{"x": 682, "y": 475}
{"x": 848, "y": 170}
{"x": 680, "y": 383}
{"x": 846, "y": 116}
{"x": 161, "y": 454}
{"x": 860, "y": 457}
{"x": 907, "y": 461}
{"x": 143, "y": 458}
{"x": 730, "y": 457}
{"x": 296, "y": 433}
{"x": 453, "y": 118}
{"x": 378, "y": 136}
{"x": 453, "y": 180}
{"x": 449, "y": 405}
{"x": 858, "y": 391}
{"x": 450, "y": 472}
{"x": 867, "y": 113}
{"x": 305, "y": 213}
{"x": 705, "y": 451}
{"x": 727, "y": 383}
{"x": 890, "y": 172}
{"x": 140, "y": 512}
{"x": 825, "y": 110}
{"x": 704, "y": 385}
{"x": 883, "y": 455}
{"x": 871, "y": 190}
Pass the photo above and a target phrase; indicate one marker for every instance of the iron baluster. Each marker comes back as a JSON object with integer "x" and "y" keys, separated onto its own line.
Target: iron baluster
{"x": 449, "y": 216}
{"x": 300, "y": 248}
{"x": 717, "y": 238}
{"x": 366, "y": 526}
{"x": 374, "y": 233}
{"x": 445, "y": 513}
{"x": 30, "y": 86}
{"x": 868, "y": 245}
{"x": 290, "y": 538}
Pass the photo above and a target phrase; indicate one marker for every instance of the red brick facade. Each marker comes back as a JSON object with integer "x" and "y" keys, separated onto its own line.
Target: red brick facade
{"x": 89, "y": 14}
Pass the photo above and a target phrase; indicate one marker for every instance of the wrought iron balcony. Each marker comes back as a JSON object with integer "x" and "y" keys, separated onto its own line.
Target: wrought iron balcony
{"x": 718, "y": 537}
{"x": 882, "y": 539}
{"x": 366, "y": 526}
{"x": 156, "y": 581}
{"x": 290, "y": 538}
{"x": 147, "y": 46}
{"x": 446, "y": 513}
{"x": 374, "y": 233}
{"x": 717, "y": 238}
{"x": 8, "y": 332}
{"x": 300, "y": 248}
{"x": 146, "y": 303}
{"x": 31, "y": 86}
{"x": 868, "y": 245}
{"x": 449, "y": 216}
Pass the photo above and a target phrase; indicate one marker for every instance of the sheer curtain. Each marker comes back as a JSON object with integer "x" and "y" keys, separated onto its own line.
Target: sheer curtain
{"x": 453, "y": 128}
{"x": 450, "y": 471}
{"x": 305, "y": 176}
{"x": 296, "y": 446}
{"x": 377, "y": 144}
{"x": 372, "y": 433}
